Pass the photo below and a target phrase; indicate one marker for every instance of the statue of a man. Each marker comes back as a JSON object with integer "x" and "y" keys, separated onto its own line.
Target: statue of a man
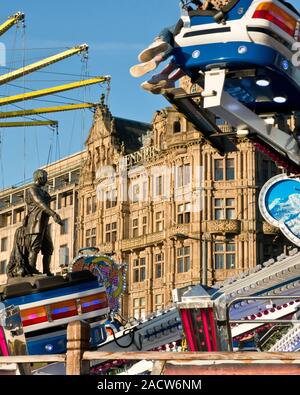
{"x": 36, "y": 222}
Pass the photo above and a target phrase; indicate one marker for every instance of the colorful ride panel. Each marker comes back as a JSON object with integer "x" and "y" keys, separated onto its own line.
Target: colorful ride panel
{"x": 52, "y": 303}
{"x": 109, "y": 274}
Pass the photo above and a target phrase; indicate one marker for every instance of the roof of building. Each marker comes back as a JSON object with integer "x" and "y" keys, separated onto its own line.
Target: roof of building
{"x": 130, "y": 132}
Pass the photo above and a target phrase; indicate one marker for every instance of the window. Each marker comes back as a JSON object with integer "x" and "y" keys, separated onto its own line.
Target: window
{"x": 158, "y": 302}
{"x": 19, "y": 215}
{"x": 4, "y": 244}
{"x": 224, "y": 169}
{"x": 65, "y": 200}
{"x": 114, "y": 232}
{"x": 139, "y": 310}
{"x": 64, "y": 227}
{"x": 94, "y": 204}
{"x": 89, "y": 205}
{"x": 159, "y": 221}
{"x": 159, "y": 186}
{"x": 184, "y": 213}
{"x": 63, "y": 255}
{"x": 139, "y": 270}
{"x": 90, "y": 237}
{"x": 183, "y": 175}
{"x": 111, "y": 232}
{"x": 177, "y": 126}
{"x": 230, "y": 169}
{"x": 159, "y": 265}
{"x": 183, "y": 259}
{"x": 225, "y": 255}
{"x": 135, "y": 227}
{"x": 3, "y": 267}
{"x": 224, "y": 209}
{"x": 6, "y": 219}
{"x": 111, "y": 198}
{"x": 136, "y": 193}
{"x": 144, "y": 226}
{"x": 219, "y": 170}
{"x": 107, "y": 233}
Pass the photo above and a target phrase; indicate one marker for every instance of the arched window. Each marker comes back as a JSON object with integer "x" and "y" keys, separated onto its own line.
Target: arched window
{"x": 177, "y": 126}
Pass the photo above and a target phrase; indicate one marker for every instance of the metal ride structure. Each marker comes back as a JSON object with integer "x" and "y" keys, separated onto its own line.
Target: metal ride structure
{"x": 242, "y": 59}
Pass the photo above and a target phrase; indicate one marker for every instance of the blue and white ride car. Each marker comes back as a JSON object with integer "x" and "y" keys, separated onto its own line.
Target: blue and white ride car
{"x": 256, "y": 41}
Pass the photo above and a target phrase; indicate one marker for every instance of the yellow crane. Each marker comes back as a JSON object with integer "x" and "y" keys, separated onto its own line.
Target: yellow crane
{"x": 13, "y": 75}
{"x": 27, "y": 123}
{"x": 12, "y": 20}
{"x": 46, "y": 110}
{"x": 50, "y": 91}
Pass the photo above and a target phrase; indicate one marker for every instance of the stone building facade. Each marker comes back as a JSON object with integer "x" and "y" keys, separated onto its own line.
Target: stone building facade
{"x": 167, "y": 204}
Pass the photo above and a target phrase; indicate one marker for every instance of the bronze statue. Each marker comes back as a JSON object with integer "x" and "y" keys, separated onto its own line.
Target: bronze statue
{"x": 34, "y": 236}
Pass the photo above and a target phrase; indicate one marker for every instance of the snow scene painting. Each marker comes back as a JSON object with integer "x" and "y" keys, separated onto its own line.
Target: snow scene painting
{"x": 283, "y": 204}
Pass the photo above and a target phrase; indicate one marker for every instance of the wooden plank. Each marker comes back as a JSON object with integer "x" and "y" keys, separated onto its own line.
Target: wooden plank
{"x": 192, "y": 356}
{"x": 33, "y": 359}
{"x": 8, "y": 370}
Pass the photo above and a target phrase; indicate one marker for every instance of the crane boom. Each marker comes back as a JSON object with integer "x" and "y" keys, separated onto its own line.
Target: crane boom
{"x": 13, "y": 75}
{"x": 53, "y": 90}
{"x": 12, "y": 20}
{"x": 27, "y": 123}
{"x": 46, "y": 110}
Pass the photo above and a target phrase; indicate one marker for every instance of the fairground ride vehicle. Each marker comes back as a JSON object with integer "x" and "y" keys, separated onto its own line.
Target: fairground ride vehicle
{"x": 245, "y": 59}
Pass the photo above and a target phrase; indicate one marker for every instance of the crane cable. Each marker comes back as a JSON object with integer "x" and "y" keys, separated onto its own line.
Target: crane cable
{"x": 84, "y": 73}
{"x": 2, "y": 130}
{"x": 23, "y": 103}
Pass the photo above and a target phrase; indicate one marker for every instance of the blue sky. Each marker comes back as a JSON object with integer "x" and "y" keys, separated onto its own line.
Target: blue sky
{"x": 116, "y": 32}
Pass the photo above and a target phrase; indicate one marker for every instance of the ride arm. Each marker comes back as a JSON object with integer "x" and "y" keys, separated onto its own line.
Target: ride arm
{"x": 41, "y": 64}
{"x": 185, "y": 104}
{"x": 53, "y": 90}
{"x": 247, "y": 123}
{"x": 12, "y": 20}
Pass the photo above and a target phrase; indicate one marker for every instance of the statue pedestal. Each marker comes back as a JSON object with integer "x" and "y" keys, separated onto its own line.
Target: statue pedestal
{"x": 31, "y": 280}
{"x": 19, "y": 280}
